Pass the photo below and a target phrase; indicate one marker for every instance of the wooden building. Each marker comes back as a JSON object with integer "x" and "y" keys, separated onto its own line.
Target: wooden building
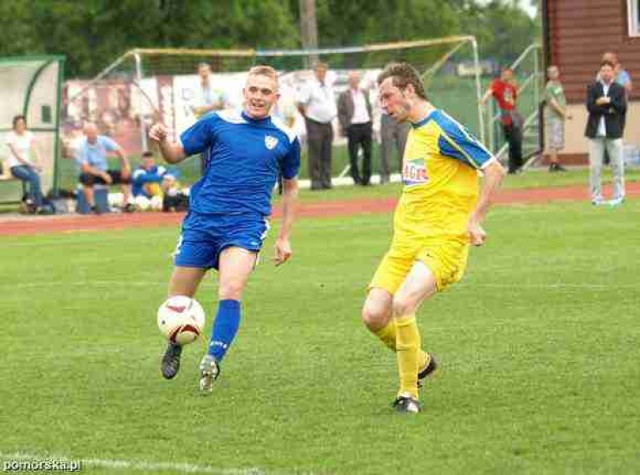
{"x": 575, "y": 35}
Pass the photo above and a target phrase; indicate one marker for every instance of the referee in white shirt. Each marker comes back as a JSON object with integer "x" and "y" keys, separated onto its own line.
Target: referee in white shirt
{"x": 354, "y": 114}
{"x": 317, "y": 104}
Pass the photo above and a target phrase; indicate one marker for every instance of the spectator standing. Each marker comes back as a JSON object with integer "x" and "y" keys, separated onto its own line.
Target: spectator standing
{"x": 318, "y": 107}
{"x": 505, "y": 91}
{"x": 354, "y": 114}
{"x": 392, "y": 133}
{"x": 208, "y": 97}
{"x": 555, "y": 116}
{"x": 621, "y": 75}
{"x": 607, "y": 105}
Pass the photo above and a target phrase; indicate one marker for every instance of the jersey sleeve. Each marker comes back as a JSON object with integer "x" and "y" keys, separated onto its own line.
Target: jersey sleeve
{"x": 198, "y": 137}
{"x": 291, "y": 162}
{"x": 456, "y": 142}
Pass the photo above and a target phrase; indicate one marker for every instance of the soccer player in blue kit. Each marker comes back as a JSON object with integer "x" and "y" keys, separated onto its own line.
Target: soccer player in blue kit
{"x": 230, "y": 205}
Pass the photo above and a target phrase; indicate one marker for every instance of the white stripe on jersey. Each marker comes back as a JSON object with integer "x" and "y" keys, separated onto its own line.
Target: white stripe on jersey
{"x": 232, "y": 116}
{"x": 279, "y": 123}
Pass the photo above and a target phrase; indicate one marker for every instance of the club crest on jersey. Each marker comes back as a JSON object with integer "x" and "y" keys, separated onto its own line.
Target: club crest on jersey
{"x": 414, "y": 172}
{"x": 270, "y": 142}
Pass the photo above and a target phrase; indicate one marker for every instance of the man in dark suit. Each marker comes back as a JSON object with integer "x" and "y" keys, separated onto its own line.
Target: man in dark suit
{"x": 354, "y": 114}
{"x": 607, "y": 106}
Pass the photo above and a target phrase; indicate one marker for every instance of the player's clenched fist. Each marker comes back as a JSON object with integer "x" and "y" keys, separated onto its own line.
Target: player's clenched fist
{"x": 282, "y": 251}
{"x": 158, "y": 132}
{"x": 477, "y": 235}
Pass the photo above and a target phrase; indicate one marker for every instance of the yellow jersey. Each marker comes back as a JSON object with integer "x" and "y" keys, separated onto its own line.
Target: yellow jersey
{"x": 440, "y": 175}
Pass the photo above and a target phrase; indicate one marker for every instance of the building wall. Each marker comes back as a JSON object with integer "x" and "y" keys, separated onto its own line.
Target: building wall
{"x": 577, "y": 33}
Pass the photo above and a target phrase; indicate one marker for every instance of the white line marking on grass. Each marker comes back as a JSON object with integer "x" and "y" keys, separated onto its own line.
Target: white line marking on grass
{"x": 133, "y": 465}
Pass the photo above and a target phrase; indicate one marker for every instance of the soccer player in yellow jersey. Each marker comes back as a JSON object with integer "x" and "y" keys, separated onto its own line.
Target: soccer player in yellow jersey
{"x": 438, "y": 216}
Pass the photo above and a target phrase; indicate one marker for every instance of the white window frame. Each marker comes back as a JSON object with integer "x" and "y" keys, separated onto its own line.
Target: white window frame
{"x": 633, "y": 9}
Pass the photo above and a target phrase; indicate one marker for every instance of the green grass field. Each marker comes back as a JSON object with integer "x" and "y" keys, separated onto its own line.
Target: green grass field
{"x": 538, "y": 347}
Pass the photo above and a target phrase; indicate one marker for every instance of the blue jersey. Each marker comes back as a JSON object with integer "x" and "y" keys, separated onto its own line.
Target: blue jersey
{"x": 142, "y": 176}
{"x": 242, "y": 160}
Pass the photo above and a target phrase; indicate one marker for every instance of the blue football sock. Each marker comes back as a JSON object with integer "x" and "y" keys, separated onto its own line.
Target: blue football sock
{"x": 224, "y": 328}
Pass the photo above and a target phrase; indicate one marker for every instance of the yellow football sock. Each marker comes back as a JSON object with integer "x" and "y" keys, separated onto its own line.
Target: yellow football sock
{"x": 408, "y": 353}
{"x": 388, "y": 337}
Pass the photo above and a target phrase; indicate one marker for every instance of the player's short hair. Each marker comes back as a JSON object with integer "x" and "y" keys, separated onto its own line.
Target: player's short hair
{"x": 16, "y": 119}
{"x": 320, "y": 65}
{"x": 607, "y": 63}
{"x": 264, "y": 70}
{"x": 403, "y": 74}
{"x": 147, "y": 154}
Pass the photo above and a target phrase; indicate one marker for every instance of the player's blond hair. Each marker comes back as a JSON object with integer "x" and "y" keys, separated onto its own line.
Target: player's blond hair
{"x": 267, "y": 71}
{"x": 403, "y": 74}
{"x": 264, "y": 70}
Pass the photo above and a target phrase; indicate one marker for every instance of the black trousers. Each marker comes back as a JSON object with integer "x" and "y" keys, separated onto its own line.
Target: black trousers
{"x": 513, "y": 136}
{"x": 360, "y": 135}
{"x": 319, "y": 139}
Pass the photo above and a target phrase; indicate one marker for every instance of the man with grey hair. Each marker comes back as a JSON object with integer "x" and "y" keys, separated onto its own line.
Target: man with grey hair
{"x": 94, "y": 167}
{"x": 354, "y": 114}
{"x": 317, "y": 105}
{"x": 208, "y": 97}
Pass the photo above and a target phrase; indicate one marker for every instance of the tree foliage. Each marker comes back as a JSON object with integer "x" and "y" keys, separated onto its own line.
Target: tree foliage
{"x": 93, "y": 33}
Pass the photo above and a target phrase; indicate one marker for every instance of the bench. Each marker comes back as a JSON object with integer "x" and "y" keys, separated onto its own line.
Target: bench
{"x": 11, "y": 189}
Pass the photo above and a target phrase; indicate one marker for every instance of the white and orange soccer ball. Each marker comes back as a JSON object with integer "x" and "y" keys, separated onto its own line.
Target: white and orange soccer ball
{"x": 181, "y": 319}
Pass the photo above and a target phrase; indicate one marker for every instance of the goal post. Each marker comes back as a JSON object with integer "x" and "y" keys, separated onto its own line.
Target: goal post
{"x": 32, "y": 87}
{"x": 147, "y": 85}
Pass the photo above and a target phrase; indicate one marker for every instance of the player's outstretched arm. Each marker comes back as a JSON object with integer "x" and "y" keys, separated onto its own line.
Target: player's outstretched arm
{"x": 289, "y": 199}
{"x": 493, "y": 175}
{"x": 486, "y": 96}
{"x": 171, "y": 151}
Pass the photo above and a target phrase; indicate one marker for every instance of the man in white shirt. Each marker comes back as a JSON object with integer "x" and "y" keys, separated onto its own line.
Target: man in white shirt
{"x": 354, "y": 114}
{"x": 208, "y": 98}
{"x": 317, "y": 105}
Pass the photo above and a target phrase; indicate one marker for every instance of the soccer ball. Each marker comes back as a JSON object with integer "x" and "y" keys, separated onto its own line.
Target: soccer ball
{"x": 181, "y": 319}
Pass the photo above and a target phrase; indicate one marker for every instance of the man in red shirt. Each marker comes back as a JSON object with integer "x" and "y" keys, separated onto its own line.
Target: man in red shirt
{"x": 505, "y": 92}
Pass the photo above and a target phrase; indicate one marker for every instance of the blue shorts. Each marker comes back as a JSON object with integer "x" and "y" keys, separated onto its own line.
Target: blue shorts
{"x": 204, "y": 237}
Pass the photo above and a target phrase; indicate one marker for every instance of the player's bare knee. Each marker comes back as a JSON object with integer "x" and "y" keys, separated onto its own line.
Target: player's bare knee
{"x": 375, "y": 315}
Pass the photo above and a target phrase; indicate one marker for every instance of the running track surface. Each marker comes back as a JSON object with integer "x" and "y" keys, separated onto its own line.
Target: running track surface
{"x": 27, "y": 225}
